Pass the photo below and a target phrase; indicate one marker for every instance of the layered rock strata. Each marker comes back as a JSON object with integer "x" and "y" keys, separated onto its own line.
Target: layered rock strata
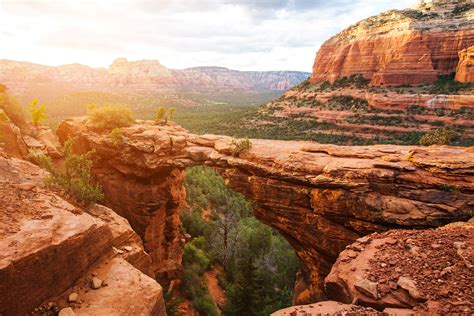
{"x": 412, "y": 46}
{"x": 50, "y": 247}
{"x": 465, "y": 69}
{"x": 320, "y": 197}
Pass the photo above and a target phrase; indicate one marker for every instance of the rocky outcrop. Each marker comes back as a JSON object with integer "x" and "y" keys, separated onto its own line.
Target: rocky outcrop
{"x": 50, "y": 248}
{"x": 320, "y": 197}
{"x": 465, "y": 69}
{"x": 428, "y": 271}
{"x": 143, "y": 76}
{"x": 407, "y": 47}
{"x": 327, "y": 308}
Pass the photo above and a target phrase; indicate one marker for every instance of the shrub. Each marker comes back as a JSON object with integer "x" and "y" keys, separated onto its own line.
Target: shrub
{"x": 446, "y": 84}
{"x": 441, "y": 136}
{"x": 77, "y": 178}
{"x": 37, "y": 111}
{"x": 116, "y": 135}
{"x": 106, "y": 118}
{"x": 239, "y": 146}
{"x": 160, "y": 114}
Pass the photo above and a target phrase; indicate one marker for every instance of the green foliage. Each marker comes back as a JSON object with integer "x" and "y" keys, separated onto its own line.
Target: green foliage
{"x": 117, "y": 136}
{"x": 356, "y": 80}
{"x": 259, "y": 264}
{"x": 162, "y": 115}
{"x": 108, "y": 117}
{"x": 463, "y": 8}
{"x": 441, "y": 136}
{"x": 159, "y": 114}
{"x": 193, "y": 223}
{"x": 195, "y": 263}
{"x": 446, "y": 84}
{"x": 239, "y": 146}
{"x": 37, "y": 111}
{"x": 76, "y": 179}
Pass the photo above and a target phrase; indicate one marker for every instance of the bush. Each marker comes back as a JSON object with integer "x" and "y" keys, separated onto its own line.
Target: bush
{"x": 38, "y": 112}
{"x": 446, "y": 84}
{"x": 160, "y": 114}
{"x": 117, "y": 136}
{"x": 441, "y": 136}
{"x": 77, "y": 178}
{"x": 106, "y": 118}
{"x": 239, "y": 146}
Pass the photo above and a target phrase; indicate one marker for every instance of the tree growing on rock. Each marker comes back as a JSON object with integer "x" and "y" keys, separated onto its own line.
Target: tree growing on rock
{"x": 38, "y": 112}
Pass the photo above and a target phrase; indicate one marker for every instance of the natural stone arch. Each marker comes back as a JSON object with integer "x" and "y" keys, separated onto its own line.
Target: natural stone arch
{"x": 320, "y": 197}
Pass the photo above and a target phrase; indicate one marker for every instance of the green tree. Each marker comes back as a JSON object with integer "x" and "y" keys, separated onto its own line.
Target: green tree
{"x": 441, "y": 136}
{"x": 37, "y": 111}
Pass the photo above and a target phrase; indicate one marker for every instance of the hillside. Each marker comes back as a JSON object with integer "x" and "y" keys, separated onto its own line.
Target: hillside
{"x": 143, "y": 76}
{"x": 388, "y": 79}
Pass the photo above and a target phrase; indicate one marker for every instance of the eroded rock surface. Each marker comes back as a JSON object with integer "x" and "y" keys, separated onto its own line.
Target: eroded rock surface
{"x": 47, "y": 244}
{"x": 410, "y": 46}
{"x": 427, "y": 271}
{"x": 320, "y": 197}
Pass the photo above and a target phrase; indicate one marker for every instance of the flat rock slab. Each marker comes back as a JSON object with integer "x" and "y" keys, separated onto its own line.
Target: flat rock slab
{"x": 125, "y": 291}
{"x": 326, "y": 308}
{"x": 46, "y": 244}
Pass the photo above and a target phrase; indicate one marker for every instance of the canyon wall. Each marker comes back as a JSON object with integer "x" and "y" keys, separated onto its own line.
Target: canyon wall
{"x": 399, "y": 47}
{"x": 320, "y": 197}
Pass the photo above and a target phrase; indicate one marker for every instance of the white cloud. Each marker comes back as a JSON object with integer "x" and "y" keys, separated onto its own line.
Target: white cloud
{"x": 247, "y": 35}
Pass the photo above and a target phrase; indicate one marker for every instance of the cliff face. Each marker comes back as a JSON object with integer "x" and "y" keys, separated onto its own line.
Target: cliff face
{"x": 50, "y": 248}
{"x": 412, "y": 46}
{"x": 465, "y": 70}
{"x": 389, "y": 78}
{"x": 320, "y": 197}
{"x": 144, "y": 75}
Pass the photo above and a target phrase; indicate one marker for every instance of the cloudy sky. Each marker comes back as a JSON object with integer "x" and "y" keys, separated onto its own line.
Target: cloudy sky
{"x": 239, "y": 34}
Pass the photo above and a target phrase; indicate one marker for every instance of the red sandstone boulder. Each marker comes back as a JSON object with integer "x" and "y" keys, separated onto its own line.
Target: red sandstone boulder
{"x": 465, "y": 69}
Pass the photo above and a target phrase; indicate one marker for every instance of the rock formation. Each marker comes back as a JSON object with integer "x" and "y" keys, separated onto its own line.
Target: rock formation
{"x": 143, "y": 76}
{"x": 411, "y": 46}
{"x": 465, "y": 70}
{"x": 402, "y": 272}
{"x": 320, "y": 197}
{"x": 50, "y": 248}
{"x": 389, "y": 78}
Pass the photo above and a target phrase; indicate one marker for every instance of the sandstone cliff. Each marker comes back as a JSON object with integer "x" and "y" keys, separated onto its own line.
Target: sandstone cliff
{"x": 388, "y": 79}
{"x": 320, "y": 197}
{"x": 412, "y": 46}
{"x": 50, "y": 248}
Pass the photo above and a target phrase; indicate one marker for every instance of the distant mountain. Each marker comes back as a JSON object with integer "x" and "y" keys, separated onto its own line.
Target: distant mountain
{"x": 143, "y": 75}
